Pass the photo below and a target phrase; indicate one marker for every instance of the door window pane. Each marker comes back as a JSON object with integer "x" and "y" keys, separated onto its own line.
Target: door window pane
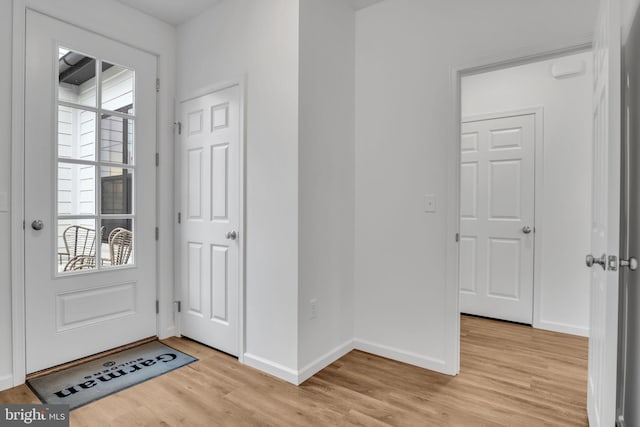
{"x": 117, "y": 242}
{"x": 116, "y": 141}
{"x": 76, "y": 78}
{"x": 76, "y": 189}
{"x": 117, "y": 87}
{"x": 117, "y": 184}
{"x": 76, "y": 133}
{"x": 76, "y": 245}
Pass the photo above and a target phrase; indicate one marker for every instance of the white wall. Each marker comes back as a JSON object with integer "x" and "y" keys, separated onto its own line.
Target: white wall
{"x": 564, "y": 230}
{"x": 6, "y": 377}
{"x": 259, "y": 39}
{"x": 113, "y": 19}
{"x": 326, "y": 174}
{"x": 405, "y": 51}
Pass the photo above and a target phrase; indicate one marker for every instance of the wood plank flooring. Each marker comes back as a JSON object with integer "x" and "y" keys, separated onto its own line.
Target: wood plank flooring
{"x": 511, "y": 375}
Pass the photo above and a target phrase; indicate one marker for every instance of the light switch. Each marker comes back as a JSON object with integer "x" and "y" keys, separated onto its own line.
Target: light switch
{"x": 430, "y": 203}
{"x": 4, "y": 202}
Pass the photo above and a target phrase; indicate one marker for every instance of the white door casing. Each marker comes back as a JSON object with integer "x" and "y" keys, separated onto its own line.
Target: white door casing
{"x": 210, "y": 147}
{"x": 72, "y": 315}
{"x": 605, "y": 231}
{"x": 497, "y": 217}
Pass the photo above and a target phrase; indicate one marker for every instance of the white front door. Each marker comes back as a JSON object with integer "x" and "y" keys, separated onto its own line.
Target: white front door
{"x": 210, "y": 210}
{"x": 605, "y": 230}
{"x": 90, "y": 138}
{"x": 496, "y": 217}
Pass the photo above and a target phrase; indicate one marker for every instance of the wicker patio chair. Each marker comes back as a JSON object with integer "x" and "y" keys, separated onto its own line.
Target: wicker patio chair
{"x": 80, "y": 243}
{"x": 120, "y": 246}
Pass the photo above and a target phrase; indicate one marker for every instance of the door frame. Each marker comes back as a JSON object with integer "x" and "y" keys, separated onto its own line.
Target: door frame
{"x": 538, "y": 199}
{"x": 452, "y": 295}
{"x": 164, "y": 172}
{"x": 241, "y": 82}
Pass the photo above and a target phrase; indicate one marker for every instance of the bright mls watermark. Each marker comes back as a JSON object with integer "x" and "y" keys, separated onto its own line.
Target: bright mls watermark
{"x": 34, "y": 415}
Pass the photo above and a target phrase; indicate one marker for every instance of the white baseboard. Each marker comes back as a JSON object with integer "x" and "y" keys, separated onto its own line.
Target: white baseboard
{"x": 271, "y": 368}
{"x": 562, "y": 328}
{"x": 6, "y": 382}
{"x": 401, "y": 356}
{"x": 322, "y": 362}
{"x": 317, "y": 365}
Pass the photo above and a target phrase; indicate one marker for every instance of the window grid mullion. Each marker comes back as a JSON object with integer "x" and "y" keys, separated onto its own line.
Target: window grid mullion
{"x": 95, "y": 163}
{"x": 96, "y": 110}
{"x": 98, "y": 172}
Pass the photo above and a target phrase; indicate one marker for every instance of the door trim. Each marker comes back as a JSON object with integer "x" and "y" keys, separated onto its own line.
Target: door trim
{"x": 452, "y": 294}
{"x": 18, "y": 312}
{"x": 164, "y": 111}
{"x": 538, "y": 199}
{"x": 241, "y": 82}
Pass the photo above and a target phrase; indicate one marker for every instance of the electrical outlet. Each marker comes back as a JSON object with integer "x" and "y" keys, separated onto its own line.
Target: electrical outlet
{"x": 313, "y": 306}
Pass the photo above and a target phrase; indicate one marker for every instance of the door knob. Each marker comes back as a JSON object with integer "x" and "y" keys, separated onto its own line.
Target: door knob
{"x": 37, "y": 224}
{"x": 602, "y": 261}
{"x": 526, "y": 229}
{"x": 632, "y": 263}
{"x": 232, "y": 235}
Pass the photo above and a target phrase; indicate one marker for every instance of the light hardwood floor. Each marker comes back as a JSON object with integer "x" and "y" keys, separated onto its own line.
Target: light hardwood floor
{"x": 511, "y": 375}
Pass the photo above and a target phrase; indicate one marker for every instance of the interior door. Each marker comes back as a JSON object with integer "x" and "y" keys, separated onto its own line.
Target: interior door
{"x": 210, "y": 152}
{"x": 605, "y": 232}
{"x": 90, "y": 138}
{"x": 496, "y": 217}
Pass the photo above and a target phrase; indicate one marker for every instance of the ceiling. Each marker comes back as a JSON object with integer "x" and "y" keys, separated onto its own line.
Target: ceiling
{"x": 361, "y": 4}
{"x": 171, "y": 11}
{"x": 178, "y": 12}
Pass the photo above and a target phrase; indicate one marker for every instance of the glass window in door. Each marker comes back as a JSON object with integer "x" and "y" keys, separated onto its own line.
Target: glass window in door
{"x": 95, "y": 181}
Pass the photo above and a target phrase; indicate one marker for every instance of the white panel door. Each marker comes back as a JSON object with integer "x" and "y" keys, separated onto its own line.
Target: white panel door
{"x": 89, "y": 147}
{"x": 496, "y": 218}
{"x": 605, "y": 231}
{"x": 210, "y": 212}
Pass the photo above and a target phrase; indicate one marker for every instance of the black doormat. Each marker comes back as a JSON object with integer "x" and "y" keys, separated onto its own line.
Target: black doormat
{"x": 99, "y": 378}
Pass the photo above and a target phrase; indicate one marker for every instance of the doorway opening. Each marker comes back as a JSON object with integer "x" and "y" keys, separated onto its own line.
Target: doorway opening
{"x": 525, "y": 191}
{"x": 525, "y": 200}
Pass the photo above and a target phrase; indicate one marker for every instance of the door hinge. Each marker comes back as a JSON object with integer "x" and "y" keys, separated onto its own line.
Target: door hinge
{"x": 157, "y": 233}
{"x": 178, "y": 126}
{"x": 178, "y": 305}
{"x": 157, "y": 306}
{"x": 179, "y": 217}
{"x": 157, "y": 159}
{"x": 457, "y": 237}
{"x": 158, "y": 85}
